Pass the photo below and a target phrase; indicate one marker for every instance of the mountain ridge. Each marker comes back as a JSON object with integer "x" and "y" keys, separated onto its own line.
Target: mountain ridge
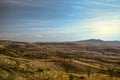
{"x": 88, "y": 41}
{"x": 99, "y": 42}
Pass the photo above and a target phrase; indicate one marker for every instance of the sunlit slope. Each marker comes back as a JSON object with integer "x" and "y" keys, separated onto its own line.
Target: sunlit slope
{"x": 58, "y": 61}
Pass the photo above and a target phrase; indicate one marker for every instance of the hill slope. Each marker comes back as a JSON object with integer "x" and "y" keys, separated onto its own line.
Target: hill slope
{"x": 99, "y": 42}
{"x": 58, "y": 61}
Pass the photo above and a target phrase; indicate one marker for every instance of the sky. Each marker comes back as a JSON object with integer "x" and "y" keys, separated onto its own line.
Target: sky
{"x": 59, "y": 20}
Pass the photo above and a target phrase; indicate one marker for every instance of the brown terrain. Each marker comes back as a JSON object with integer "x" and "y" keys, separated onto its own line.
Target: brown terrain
{"x": 58, "y": 61}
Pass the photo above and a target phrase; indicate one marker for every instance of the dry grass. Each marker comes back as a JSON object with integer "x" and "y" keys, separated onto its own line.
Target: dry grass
{"x": 58, "y": 61}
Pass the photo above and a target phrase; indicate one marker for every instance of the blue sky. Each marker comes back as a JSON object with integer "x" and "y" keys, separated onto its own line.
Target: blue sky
{"x": 59, "y": 20}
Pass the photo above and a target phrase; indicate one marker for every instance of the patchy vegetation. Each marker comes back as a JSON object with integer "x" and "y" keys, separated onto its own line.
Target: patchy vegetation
{"x": 58, "y": 61}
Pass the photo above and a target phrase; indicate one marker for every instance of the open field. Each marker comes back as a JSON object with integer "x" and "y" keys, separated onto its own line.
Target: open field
{"x": 58, "y": 61}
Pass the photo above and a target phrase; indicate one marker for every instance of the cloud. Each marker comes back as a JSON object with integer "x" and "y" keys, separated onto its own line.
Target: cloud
{"x": 45, "y": 3}
{"x": 103, "y": 27}
{"x": 53, "y": 36}
{"x": 11, "y": 36}
{"x": 39, "y": 36}
{"x": 48, "y": 19}
{"x": 107, "y": 4}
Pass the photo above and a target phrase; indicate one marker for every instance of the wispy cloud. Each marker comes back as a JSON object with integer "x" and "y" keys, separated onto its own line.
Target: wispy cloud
{"x": 39, "y": 36}
{"x": 104, "y": 28}
{"x": 107, "y": 4}
{"x": 45, "y": 3}
{"x": 59, "y": 19}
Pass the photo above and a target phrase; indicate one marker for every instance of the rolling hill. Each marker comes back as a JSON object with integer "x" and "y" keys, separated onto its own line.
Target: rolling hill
{"x": 59, "y": 61}
{"x": 99, "y": 42}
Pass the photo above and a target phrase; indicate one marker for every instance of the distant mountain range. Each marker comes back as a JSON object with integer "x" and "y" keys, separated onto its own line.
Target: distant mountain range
{"x": 89, "y": 41}
{"x": 99, "y": 42}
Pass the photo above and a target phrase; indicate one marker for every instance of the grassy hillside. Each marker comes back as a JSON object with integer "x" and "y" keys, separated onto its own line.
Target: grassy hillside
{"x": 58, "y": 61}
